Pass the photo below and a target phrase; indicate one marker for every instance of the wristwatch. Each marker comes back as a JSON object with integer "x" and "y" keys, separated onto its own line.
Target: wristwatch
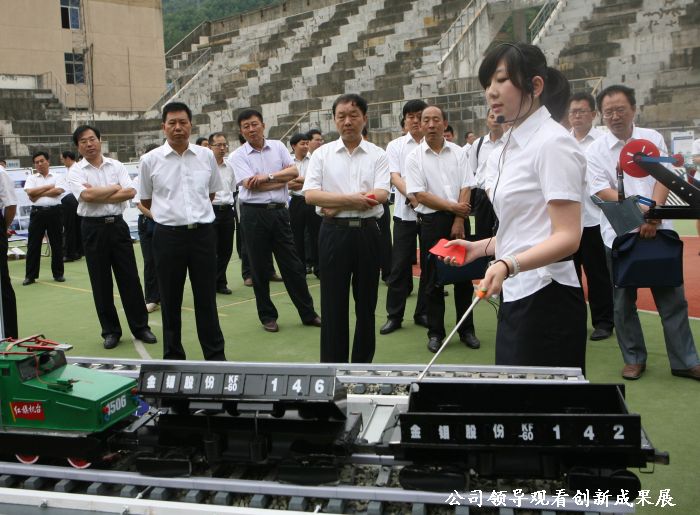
{"x": 270, "y": 178}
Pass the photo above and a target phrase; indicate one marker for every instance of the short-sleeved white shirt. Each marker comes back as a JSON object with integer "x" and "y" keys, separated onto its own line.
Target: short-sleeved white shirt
{"x": 332, "y": 168}
{"x": 478, "y": 159}
{"x": 110, "y": 172}
{"x": 443, "y": 174}
{"x": 396, "y": 152}
{"x": 224, "y": 197}
{"x": 603, "y": 155}
{"x": 541, "y": 162}
{"x": 179, "y": 185}
{"x": 36, "y": 180}
{"x": 247, "y": 161}
{"x": 7, "y": 190}
{"x": 301, "y": 165}
{"x": 591, "y": 212}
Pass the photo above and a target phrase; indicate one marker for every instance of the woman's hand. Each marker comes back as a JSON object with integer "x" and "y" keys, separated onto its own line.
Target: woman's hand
{"x": 492, "y": 282}
{"x": 471, "y": 255}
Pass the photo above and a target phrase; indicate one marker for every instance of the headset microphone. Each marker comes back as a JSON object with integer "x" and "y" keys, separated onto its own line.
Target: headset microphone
{"x": 500, "y": 119}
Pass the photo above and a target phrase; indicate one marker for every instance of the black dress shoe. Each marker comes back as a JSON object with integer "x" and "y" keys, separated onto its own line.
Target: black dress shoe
{"x": 59, "y": 279}
{"x": 276, "y": 278}
{"x": 224, "y": 290}
{"x": 271, "y": 326}
{"x": 434, "y": 344}
{"x": 600, "y": 333}
{"x": 146, "y": 336}
{"x": 111, "y": 341}
{"x": 390, "y": 326}
{"x": 421, "y": 320}
{"x": 470, "y": 340}
{"x": 27, "y": 281}
{"x": 315, "y": 321}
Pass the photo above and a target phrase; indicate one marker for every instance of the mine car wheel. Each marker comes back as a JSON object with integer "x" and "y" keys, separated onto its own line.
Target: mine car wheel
{"x": 79, "y": 463}
{"x": 27, "y": 459}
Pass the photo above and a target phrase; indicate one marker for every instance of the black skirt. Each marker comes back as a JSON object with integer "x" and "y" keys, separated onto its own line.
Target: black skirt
{"x": 547, "y": 328}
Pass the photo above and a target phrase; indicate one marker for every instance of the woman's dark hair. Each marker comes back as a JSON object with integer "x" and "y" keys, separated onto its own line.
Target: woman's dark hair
{"x": 524, "y": 62}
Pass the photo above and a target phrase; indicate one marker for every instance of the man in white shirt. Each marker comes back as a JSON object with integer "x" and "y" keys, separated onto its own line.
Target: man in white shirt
{"x": 44, "y": 189}
{"x": 305, "y": 222}
{"x": 591, "y": 252}
{"x": 348, "y": 179}
{"x": 315, "y": 140}
{"x": 72, "y": 242}
{"x": 102, "y": 187}
{"x": 403, "y": 252}
{"x": 437, "y": 173}
{"x": 177, "y": 182}
{"x": 469, "y": 139}
{"x": 224, "y": 205}
{"x": 8, "y": 209}
{"x": 482, "y": 209}
{"x": 618, "y": 107}
{"x": 263, "y": 167}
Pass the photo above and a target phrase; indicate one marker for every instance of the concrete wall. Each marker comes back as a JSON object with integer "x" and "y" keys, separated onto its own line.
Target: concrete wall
{"x": 125, "y": 39}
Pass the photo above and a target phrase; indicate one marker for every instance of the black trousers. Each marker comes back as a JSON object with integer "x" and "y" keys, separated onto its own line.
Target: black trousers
{"x": 400, "y": 282}
{"x": 348, "y": 257}
{"x": 243, "y": 255}
{"x": 267, "y": 232}
{"x": 591, "y": 256}
{"x": 150, "y": 280}
{"x": 45, "y": 221}
{"x": 179, "y": 251}
{"x": 224, "y": 229}
{"x": 385, "y": 242}
{"x": 108, "y": 248}
{"x": 546, "y": 329}
{"x": 9, "y": 302}
{"x": 304, "y": 219}
{"x": 484, "y": 215}
{"x": 433, "y": 227}
{"x": 72, "y": 241}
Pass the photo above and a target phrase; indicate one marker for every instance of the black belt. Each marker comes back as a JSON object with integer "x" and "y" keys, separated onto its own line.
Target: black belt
{"x": 270, "y": 205}
{"x": 188, "y": 227}
{"x": 222, "y": 207}
{"x": 103, "y": 219}
{"x": 349, "y": 222}
{"x": 45, "y": 208}
{"x": 430, "y": 216}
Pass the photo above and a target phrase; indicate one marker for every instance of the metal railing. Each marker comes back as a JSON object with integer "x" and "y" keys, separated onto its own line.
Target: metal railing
{"x": 454, "y": 34}
{"x": 48, "y": 80}
{"x": 185, "y": 44}
{"x": 183, "y": 77}
{"x": 541, "y": 19}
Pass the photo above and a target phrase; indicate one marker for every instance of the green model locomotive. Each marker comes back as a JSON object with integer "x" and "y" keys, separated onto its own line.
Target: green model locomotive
{"x": 49, "y": 408}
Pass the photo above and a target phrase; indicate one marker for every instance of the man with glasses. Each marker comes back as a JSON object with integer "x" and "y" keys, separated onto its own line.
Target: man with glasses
{"x": 591, "y": 252}
{"x": 618, "y": 106}
{"x": 224, "y": 211}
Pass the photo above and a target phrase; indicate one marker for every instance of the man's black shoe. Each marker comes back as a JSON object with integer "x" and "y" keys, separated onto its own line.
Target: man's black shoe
{"x": 224, "y": 290}
{"x": 146, "y": 336}
{"x": 27, "y": 281}
{"x": 470, "y": 340}
{"x": 111, "y": 341}
{"x": 59, "y": 279}
{"x": 421, "y": 320}
{"x": 434, "y": 344}
{"x": 390, "y": 326}
{"x": 600, "y": 333}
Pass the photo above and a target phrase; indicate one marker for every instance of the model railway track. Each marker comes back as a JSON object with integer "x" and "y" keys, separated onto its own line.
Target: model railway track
{"x": 391, "y": 376}
{"x": 372, "y": 492}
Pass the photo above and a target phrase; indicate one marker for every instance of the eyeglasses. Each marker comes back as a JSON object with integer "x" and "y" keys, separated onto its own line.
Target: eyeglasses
{"x": 609, "y": 113}
{"x": 220, "y": 145}
{"x": 579, "y": 112}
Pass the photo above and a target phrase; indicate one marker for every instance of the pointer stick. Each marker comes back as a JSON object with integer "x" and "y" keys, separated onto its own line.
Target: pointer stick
{"x": 479, "y": 295}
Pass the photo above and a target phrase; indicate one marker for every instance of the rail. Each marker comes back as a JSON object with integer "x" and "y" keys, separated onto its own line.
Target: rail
{"x": 542, "y": 18}
{"x": 454, "y": 34}
{"x": 184, "y": 76}
{"x": 48, "y": 80}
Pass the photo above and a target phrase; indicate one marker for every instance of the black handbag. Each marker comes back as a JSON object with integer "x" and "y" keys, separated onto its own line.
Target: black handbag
{"x": 646, "y": 263}
{"x": 447, "y": 274}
